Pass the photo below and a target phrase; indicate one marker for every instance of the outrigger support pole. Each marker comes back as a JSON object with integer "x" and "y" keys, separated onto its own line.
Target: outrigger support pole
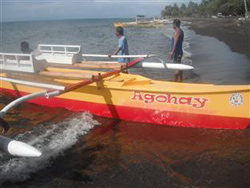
{"x": 19, "y": 101}
{"x": 26, "y": 98}
{"x": 17, "y": 148}
{"x": 14, "y": 103}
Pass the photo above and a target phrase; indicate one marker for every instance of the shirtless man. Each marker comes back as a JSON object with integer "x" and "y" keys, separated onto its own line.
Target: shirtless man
{"x": 176, "y": 47}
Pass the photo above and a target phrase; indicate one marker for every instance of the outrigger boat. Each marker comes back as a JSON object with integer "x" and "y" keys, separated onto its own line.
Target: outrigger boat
{"x": 148, "y": 24}
{"x": 52, "y": 76}
{"x": 141, "y": 21}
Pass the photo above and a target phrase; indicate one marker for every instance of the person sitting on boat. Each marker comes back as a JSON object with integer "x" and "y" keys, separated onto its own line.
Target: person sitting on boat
{"x": 122, "y": 45}
{"x": 176, "y": 47}
{"x": 25, "y": 48}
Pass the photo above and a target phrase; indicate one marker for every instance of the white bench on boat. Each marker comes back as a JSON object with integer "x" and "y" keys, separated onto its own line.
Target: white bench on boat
{"x": 59, "y": 54}
{"x": 21, "y": 63}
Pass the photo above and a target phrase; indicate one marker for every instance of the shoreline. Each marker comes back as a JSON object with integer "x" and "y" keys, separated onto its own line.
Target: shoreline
{"x": 228, "y": 30}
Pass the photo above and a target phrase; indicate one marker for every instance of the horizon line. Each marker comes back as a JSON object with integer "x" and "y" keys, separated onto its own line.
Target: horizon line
{"x": 64, "y": 19}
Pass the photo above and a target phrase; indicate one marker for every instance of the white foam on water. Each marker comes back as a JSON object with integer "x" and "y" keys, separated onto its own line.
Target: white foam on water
{"x": 52, "y": 141}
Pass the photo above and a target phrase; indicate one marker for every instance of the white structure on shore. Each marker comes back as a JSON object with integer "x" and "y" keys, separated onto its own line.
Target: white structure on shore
{"x": 140, "y": 19}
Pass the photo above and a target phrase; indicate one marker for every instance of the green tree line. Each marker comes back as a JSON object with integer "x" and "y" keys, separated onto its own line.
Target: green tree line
{"x": 207, "y": 8}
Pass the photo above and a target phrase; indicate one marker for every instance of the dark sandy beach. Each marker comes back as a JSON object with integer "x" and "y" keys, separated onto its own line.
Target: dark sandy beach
{"x": 234, "y": 33}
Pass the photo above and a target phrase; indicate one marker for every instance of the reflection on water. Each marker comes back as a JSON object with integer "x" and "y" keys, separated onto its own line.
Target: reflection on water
{"x": 122, "y": 154}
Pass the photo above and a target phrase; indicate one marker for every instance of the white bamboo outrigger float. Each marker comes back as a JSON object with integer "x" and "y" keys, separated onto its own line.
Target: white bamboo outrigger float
{"x": 17, "y": 148}
{"x": 64, "y": 55}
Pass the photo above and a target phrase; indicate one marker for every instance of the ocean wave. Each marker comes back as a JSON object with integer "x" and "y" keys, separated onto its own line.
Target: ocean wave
{"x": 51, "y": 140}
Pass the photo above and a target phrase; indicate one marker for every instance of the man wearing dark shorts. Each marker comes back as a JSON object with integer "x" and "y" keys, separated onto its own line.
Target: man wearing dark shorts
{"x": 176, "y": 47}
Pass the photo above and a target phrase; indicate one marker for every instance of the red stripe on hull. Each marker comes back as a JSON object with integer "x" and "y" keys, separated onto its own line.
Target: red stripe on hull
{"x": 143, "y": 115}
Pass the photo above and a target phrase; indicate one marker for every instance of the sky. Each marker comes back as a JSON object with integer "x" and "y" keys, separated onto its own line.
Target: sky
{"x": 24, "y": 10}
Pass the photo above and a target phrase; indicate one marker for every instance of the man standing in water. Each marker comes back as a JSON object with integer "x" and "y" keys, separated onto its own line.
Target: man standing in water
{"x": 176, "y": 47}
{"x": 122, "y": 45}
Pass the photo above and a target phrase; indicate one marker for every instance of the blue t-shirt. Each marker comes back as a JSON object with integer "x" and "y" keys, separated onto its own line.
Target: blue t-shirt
{"x": 123, "y": 45}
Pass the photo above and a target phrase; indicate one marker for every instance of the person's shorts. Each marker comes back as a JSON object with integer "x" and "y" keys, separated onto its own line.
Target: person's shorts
{"x": 123, "y": 60}
{"x": 177, "y": 58}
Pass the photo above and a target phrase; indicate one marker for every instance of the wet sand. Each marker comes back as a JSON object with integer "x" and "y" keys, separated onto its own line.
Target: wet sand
{"x": 236, "y": 34}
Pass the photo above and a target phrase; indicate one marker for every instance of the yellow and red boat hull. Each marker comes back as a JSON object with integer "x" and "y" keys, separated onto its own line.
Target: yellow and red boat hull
{"x": 139, "y": 99}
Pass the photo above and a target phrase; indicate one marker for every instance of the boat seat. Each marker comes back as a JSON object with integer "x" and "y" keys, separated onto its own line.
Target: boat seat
{"x": 21, "y": 63}
{"x": 59, "y": 54}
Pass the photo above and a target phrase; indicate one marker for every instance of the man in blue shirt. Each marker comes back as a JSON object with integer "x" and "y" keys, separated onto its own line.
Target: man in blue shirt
{"x": 122, "y": 46}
